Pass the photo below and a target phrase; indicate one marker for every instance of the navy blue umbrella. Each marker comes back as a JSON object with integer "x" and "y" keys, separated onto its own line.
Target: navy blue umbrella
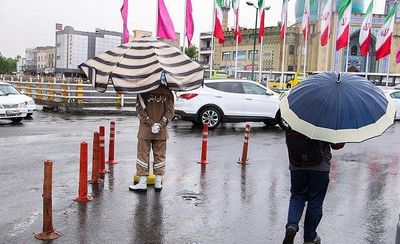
{"x": 337, "y": 108}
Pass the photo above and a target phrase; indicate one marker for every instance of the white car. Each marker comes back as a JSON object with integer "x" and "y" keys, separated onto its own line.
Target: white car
{"x": 394, "y": 97}
{"x": 10, "y": 91}
{"x": 12, "y": 107}
{"x": 227, "y": 100}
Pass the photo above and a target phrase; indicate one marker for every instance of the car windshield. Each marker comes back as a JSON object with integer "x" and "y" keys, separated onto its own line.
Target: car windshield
{"x": 8, "y": 90}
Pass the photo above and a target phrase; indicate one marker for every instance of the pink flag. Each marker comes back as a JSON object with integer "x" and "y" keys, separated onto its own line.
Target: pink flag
{"x": 165, "y": 27}
{"x": 398, "y": 57}
{"x": 189, "y": 21}
{"x": 124, "y": 13}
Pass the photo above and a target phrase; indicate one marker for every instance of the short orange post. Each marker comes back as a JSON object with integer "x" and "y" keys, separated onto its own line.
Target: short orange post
{"x": 95, "y": 160}
{"x": 111, "y": 145}
{"x": 102, "y": 160}
{"x": 48, "y": 232}
{"x": 244, "y": 159}
{"x": 83, "y": 181}
{"x": 204, "y": 145}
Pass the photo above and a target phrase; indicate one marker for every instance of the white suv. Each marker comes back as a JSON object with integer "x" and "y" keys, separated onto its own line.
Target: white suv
{"x": 220, "y": 101}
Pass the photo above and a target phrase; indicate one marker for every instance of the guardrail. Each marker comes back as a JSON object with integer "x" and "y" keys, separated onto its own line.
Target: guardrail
{"x": 72, "y": 92}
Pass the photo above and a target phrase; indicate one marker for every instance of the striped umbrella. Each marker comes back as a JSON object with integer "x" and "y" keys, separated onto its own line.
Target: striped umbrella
{"x": 141, "y": 66}
{"x": 337, "y": 108}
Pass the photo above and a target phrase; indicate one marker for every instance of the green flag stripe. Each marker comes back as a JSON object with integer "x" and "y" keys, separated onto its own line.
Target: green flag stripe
{"x": 370, "y": 7}
{"x": 260, "y": 3}
{"x": 344, "y": 4}
{"x": 219, "y": 3}
{"x": 392, "y": 12}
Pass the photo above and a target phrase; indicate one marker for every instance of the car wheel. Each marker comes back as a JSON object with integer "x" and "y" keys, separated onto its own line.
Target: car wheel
{"x": 210, "y": 116}
{"x": 281, "y": 122}
{"x": 16, "y": 120}
{"x": 270, "y": 123}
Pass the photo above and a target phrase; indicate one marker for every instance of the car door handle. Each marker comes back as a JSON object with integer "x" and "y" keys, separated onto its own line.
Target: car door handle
{"x": 249, "y": 99}
{"x": 218, "y": 96}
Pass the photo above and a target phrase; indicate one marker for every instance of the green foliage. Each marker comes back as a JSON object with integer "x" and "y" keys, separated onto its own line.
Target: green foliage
{"x": 7, "y": 65}
{"x": 191, "y": 52}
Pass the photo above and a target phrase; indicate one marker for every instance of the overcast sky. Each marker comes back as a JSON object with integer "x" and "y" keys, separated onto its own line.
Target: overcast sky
{"x": 31, "y": 23}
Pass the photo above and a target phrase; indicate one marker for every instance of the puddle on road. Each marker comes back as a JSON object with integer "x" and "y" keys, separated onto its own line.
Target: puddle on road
{"x": 192, "y": 197}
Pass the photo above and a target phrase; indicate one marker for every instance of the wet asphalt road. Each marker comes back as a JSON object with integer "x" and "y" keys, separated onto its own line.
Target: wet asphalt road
{"x": 222, "y": 203}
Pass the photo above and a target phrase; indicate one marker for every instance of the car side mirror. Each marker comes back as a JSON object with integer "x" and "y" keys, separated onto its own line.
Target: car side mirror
{"x": 268, "y": 93}
{"x": 22, "y": 92}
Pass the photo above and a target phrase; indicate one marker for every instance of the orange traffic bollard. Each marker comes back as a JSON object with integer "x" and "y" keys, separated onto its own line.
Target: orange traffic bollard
{"x": 244, "y": 159}
{"x": 111, "y": 145}
{"x": 204, "y": 144}
{"x": 95, "y": 160}
{"x": 102, "y": 160}
{"x": 83, "y": 181}
{"x": 48, "y": 232}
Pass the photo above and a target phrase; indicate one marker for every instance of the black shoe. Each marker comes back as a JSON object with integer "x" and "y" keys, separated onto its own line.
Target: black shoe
{"x": 291, "y": 231}
{"x": 317, "y": 240}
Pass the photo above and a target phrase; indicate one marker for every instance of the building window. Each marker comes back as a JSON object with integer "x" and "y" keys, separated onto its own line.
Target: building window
{"x": 226, "y": 56}
{"x": 354, "y": 50}
{"x": 290, "y": 68}
{"x": 251, "y": 54}
{"x": 241, "y": 55}
{"x": 58, "y": 57}
{"x": 291, "y": 49}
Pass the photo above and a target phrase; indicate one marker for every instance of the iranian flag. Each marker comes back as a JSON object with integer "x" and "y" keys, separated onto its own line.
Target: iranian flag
{"x": 344, "y": 24}
{"x": 284, "y": 19}
{"x": 306, "y": 20}
{"x": 237, "y": 33}
{"x": 326, "y": 23}
{"x": 365, "y": 32}
{"x": 384, "y": 38}
{"x": 218, "y": 31}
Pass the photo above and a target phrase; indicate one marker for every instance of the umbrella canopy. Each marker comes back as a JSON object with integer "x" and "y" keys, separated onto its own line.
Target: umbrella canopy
{"x": 138, "y": 66}
{"x": 337, "y": 108}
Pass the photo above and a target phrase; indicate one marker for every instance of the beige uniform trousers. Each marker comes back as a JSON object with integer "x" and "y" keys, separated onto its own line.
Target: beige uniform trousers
{"x": 159, "y": 148}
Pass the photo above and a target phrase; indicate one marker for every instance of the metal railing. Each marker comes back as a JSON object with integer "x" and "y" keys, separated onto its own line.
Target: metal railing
{"x": 69, "y": 92}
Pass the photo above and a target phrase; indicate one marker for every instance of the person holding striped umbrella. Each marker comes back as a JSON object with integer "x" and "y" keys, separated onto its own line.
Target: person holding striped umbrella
{"x": 151, "y": 69}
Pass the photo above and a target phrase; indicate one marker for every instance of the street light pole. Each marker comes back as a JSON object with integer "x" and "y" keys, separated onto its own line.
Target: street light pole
{"x": 254, "y": 45}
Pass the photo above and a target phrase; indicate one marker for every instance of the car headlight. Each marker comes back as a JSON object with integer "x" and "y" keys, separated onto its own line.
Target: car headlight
{"x": 21, "y": 105}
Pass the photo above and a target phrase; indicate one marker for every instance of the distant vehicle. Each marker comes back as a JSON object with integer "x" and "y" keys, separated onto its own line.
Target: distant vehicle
{"x": 10, "y": 91}
{"x": 13, "y": 108}
{"x": 216, "y": 74}
{"x": 297, "y": 78}
{"x": 228, "y": 100}
{"x": 394, "y": 97}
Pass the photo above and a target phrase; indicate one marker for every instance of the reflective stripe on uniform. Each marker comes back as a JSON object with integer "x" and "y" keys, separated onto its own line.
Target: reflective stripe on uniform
{"x": 159, "y": 165}
{"x": 142, "y": 164}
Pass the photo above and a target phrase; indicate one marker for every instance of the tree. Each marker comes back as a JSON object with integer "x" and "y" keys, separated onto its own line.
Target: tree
{"x": 7, "y": 65}
{"x": 191, "y": 52}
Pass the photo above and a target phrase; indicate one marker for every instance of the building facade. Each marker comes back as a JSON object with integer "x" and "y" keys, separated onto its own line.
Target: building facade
{"x": 75, "y": 47}
{"x": 318, "y": 58}
{"x": 39, "y": 60}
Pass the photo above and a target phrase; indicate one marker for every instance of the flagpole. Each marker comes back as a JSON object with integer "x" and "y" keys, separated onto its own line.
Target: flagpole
{"x": 305, "y": 52}
{"x": 283, "y": 61}
{"x": 212, "y": 40}
{"x": 260, "y": 59}
{"x": 236, "y": 55}
{"x": 329, "y": 41}
{"x": 367, "y": 66}
{"x": 387, "y": 75}
{"x": 184, "y": 27}
{"x": 348, "y": 42}
{"x": 156, "y": 30}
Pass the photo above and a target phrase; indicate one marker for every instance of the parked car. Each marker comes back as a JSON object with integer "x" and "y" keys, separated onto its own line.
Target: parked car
{"x": 227, "y": 100}
{"x": 11, "y": 91}
{"x": 394, "y": 96}
{"x": 12, "y": 107}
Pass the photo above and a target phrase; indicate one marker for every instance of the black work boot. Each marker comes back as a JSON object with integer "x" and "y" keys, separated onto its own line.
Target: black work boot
{"x": 291, "y": 231}
{"x": 317, "y": 240}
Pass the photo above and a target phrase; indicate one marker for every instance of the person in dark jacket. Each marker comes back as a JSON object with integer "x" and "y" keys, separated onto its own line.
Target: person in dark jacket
{"x": 308, "y": 184}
